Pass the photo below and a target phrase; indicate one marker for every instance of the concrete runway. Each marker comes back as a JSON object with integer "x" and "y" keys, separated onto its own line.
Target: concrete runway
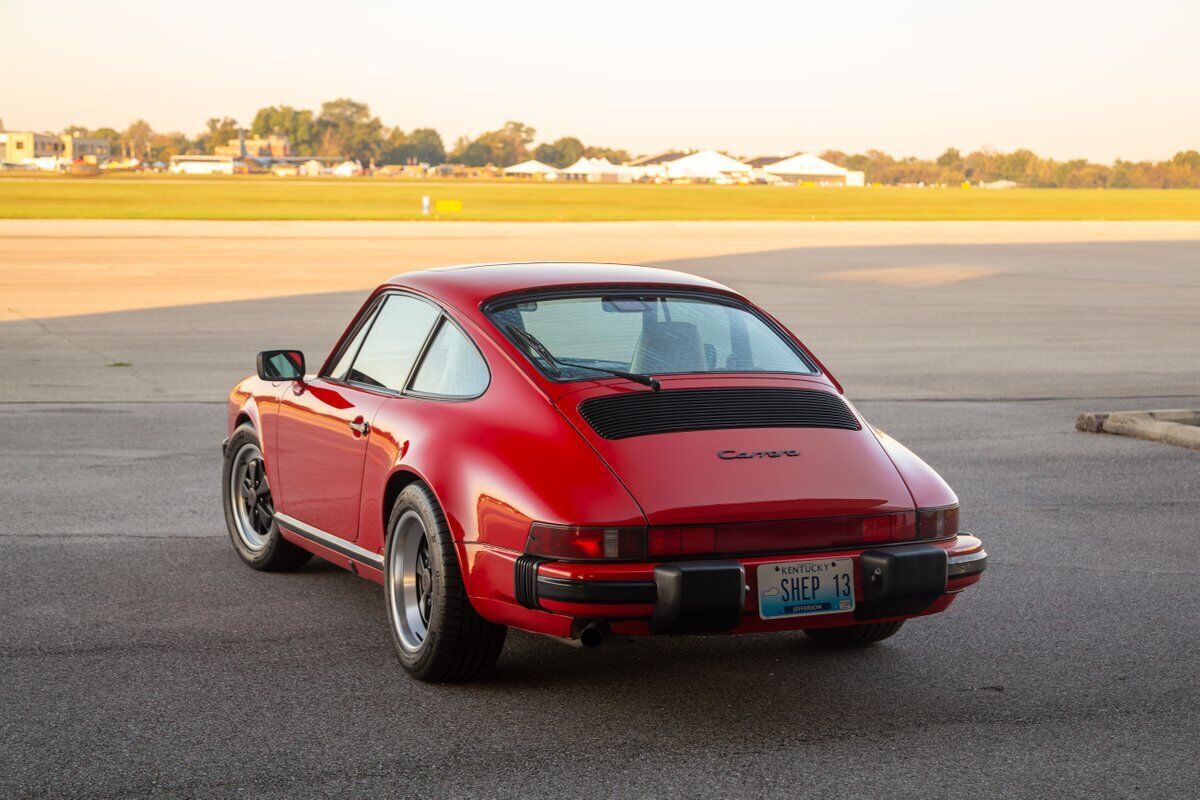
{"x": 138, "y": 657}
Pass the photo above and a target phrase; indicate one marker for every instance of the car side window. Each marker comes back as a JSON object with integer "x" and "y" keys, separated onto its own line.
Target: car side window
{"x": 338, "y": 373}
{"x": 451, "y": 367}
{"x": 392, "y": 343}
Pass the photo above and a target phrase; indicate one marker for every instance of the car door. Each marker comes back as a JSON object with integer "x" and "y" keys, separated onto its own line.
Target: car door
{"x": 324, "y": 424}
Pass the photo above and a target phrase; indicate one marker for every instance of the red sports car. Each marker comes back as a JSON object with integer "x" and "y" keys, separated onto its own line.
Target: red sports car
{"x": 585, "y": 451}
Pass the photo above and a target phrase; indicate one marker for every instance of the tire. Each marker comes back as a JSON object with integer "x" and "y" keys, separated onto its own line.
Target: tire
{"x": 439, "y": 636}
{"x": 249, "y": 509}
{"x": 855, "y": 635}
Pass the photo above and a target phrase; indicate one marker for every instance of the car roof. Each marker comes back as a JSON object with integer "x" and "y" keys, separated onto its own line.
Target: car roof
{"x": 469, "y": 285}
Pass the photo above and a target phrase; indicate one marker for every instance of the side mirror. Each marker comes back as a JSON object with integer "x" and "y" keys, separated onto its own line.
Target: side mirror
{"x": 281, "y": 365}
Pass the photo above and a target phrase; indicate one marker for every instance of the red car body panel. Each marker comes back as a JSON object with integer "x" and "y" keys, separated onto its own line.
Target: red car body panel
{"x": 318, "y": 459}
{"x": 837, "y": 473}
{"x": 521, "y": 453}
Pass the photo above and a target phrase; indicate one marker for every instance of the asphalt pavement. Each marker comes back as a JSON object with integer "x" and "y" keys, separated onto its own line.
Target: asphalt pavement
{"x": 139, "y": 657}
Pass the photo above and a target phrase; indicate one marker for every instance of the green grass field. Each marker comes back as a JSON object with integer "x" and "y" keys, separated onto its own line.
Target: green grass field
{"x": 267, "y": 197}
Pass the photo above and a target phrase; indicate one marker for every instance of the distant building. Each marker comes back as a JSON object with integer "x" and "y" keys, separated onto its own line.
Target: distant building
{"x": 807, "y": 168}
{"x": 707, "y": 165}
{"x": 25, "y": 146}
{"x": 272, "y": 146}
{"x": 651, "y": 168}
{"x": 701, "y": 165}
{"x": 654, "y": 160}
{"x": 78, "y": 147}
{"x": 764, "y": 161}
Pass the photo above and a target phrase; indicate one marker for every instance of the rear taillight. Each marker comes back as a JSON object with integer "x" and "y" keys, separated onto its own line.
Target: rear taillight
{"x": 937, "y": 523}
{"x": 569, "y": 543}
{"x": 765, "y": 537}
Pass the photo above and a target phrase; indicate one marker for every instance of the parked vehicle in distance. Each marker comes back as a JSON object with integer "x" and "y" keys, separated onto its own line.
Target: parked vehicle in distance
{"x": 585, "y": 451}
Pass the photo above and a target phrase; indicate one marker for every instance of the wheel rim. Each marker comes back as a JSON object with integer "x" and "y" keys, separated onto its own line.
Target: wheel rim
{"x": 410, "y": 581}
{"x": 250, "y": 498}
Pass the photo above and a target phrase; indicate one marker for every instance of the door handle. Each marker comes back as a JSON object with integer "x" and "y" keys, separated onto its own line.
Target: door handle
{"x": 360, "y": 426}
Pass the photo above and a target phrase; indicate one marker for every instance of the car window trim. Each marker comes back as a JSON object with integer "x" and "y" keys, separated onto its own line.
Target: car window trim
{"x": 374, "y": 312}
{"x": 446, "y": 319}
{"x": 368, "y": 319}
{"x": 490, "y": 306}
{"x": 365, "y": 320}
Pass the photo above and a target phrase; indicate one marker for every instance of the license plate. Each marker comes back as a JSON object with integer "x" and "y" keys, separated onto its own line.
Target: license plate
{"x": 805, "y": 588}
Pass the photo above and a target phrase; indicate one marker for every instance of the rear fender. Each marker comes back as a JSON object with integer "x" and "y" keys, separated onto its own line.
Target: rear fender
{"x": 926, "y": 486}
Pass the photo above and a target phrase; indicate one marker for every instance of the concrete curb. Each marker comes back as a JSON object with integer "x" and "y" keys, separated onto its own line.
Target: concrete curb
{"x": 1179, "y": 427}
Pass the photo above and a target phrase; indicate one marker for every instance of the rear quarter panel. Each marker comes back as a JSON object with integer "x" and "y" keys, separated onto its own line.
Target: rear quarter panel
{"x": 926, "y": 486}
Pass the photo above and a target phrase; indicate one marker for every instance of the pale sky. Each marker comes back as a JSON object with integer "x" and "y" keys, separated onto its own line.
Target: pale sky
{"x": 911, "y": 77}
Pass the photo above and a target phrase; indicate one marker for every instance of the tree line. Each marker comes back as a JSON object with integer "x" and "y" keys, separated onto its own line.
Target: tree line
{"x": 1024, "y": 167}
{"x": 346, "y": 128}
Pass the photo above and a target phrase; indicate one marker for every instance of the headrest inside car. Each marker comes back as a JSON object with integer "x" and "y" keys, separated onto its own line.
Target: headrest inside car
{"x": 668, "y": 347}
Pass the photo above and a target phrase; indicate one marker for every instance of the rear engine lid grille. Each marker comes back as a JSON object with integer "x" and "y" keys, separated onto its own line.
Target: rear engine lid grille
{"x": 644, "y": 413}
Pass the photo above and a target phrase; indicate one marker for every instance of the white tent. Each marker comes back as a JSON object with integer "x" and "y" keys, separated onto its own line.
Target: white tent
{"x": 347, "y": 169}
{"x": 592, "y": 169}
{"x": 531, "y": 167}
{"x": 707, "y": 165}
{"x": 806, "y": 166}
{"x": 311, "y": 167}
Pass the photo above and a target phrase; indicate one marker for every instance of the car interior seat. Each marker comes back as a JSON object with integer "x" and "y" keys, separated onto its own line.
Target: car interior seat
{"x": 668, "y": 347}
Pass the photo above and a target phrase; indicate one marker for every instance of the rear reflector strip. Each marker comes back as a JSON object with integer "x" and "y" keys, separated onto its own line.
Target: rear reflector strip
{"x": 576, "y": 543}
{"x": 781, "y": 536}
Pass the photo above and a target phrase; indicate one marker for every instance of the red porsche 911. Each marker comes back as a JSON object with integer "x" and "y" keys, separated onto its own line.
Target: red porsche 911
{"x": 585, "y": 451}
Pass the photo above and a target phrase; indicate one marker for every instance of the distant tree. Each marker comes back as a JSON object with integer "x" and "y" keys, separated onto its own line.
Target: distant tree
{"x": 427, "y": 146}
{"x": 561, "y": 153}
{"x": 614, "y": 155}
{"x": 980, "y": 166}
{"x": 472, "y": 152}
{"x": 395, "y": 149}
{"x": 1079, "y": 174}
{"x": 503, "y": 147}
{"x": 509, "y": 144}
{"x": 299, "y": 125}
{"x": 1120, "y": 178}
{"x": 951, "y": 160}
{"x": 1189, "y": 159}
{"x": 165, "y": 145}
{"x": 330, "y": 144}
{"x": 422, "y": 146}
{"x": 1018, "y": 165}
{"x": 348, "y": 126}
{"x": 218, "y": 131}
{"x": 113, "y": 137}
{"x": 136, "y": 140}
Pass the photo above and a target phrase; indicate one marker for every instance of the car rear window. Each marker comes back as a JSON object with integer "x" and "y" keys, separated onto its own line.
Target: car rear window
{"x": 650, "y": 334}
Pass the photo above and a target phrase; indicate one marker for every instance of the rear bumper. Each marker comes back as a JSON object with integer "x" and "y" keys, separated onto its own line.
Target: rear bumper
{"x": 701, "y": 596}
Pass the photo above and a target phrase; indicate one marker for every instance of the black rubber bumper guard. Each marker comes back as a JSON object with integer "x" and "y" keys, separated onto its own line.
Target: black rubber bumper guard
{"x": 710, "y": 596}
